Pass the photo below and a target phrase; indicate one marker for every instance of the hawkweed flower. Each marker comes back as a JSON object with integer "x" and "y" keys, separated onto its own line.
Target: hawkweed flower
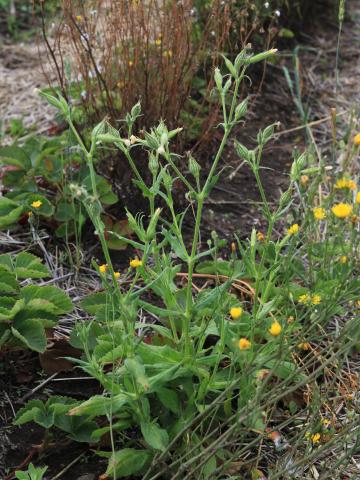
{"x": 117, "y": 275}
{"x": 319, "y": 213}
{"x": 357, "y": 139}
{"x": 358, "y": 303}
{"x": 304, "y": 346}
{"x": 343, "y": 259}
{"x": 244, "y": 344}
{"x": 315, "y": 438}
{"x": 316, "y": 299}
{"x": 345, "y": 183}
{"x": 236, "y": 312}
{"x": 326, "y": 422}
{"x": 304, "y": 298}
{"x": 260, "y": 236}
{"x": 358, "y": 197}
{"x": 293, "y": 230}
{"x": 342, "y": 210}
{"x": 36, "y": 204}
{"x": 135, "y": 263}
{"x": 275, "y": 329}
{"x": 158, "y": 42}
{"x": 103, "y": 268}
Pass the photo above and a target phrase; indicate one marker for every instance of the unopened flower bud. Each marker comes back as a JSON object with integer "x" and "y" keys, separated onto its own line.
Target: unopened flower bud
{"x": 153, "y": 164}
{"x": 133, "y": 139}
{"x": 194, "y": 167}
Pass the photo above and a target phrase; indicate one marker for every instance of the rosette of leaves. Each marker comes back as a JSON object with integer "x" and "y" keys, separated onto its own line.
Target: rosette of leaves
{"x": 27, "y": 311}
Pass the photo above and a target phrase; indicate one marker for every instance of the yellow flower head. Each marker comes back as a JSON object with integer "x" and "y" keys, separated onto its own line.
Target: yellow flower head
{"x": 293, "y": 230}
{"x": 244, "y": 344}
{"x": 117, "y": 275}
{"x": 358, "y": 197}
{"x": 304, "y": 346}
{"x": 236, "y": 312}
{"x": 30, "y": 213}
{"x": 342, "y": 210}
{"x": 275, "y": 329}
{"x": 130, "y": 63}
{"x": 260, "y": 236}
{"x": 345, "y": 183}
{"x": 168, "y": 53}
{"x": 315, "y": 438}
{"x": 358, "y": 303}
{"x": 79, "y": 18}
{"x": 319, "y": 213}
{"x": 135, "y": 263}
{"x": 304, "y": 180}
{"x": 316, "y": 299}
{"x": 326, "y": 422}
{"x": 343, "y": 259}
{"x": 103, "y": 268}
{"x": 357, "y": 139}
{"x": 158, "y": 42}
{"x": 304, "y": 298}
{"x": 36, "y": 204}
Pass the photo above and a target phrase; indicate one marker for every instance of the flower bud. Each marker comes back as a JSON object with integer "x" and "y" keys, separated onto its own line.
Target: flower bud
{"x": 153, "y": 164}
{"x": 194, "y": 167}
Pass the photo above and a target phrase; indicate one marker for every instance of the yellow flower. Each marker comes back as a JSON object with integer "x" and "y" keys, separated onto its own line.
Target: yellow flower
{"x": 326, "y": 422}
{"x": 260, "y": 236}
{"x": 236, "y": 312}
{"x": 158, "y": 42}
{"x": 244, "y": 344}
{"x": 315, "y": 438}
{"x": 168, "y": 53}
{"x": 316, "y": 299}
{"x": 293, "y": 230}
{"x": 304, "y": 298}
{"x": 304, "y": 346}
{"x": 319, "y": 213}
{"x": 341, "y": 183}
{"x": 130, "y": 63}
{"x": 36, "y": 204}
{"x": 358, "y": 303}
{"x": 290, "y": 319}
{"x": 135, "y": 263}
{"x": 345, "y": 183}
{"x": 30, "y": 214}
{"x": 79, "y": 18}
{"x": 275, "y": 329}
{"x": 357, "y": 139}
{"x": 342, "y": 210}
{"x": 358, "y": 197}
{"x": 343, "y": 259}
{"x": 117, "y": 275}
{"x": 304, "y": 180}
{"x": 103, "y": 268}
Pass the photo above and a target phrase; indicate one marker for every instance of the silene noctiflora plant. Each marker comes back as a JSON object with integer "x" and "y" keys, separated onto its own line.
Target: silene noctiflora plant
{"x": 187, "y": 372}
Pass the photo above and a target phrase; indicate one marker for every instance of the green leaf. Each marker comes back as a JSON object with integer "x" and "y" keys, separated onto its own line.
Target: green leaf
{"x": 15, "y": 156}
{"x": 60, "y": 301}
{"x": 10, "y": 212}
{"x": 32, "y": 334}
{"x": 98, "y": 405}
{"x": 137, "y": 369}
{"x": 93, "y": 302}
{"x": 155, "y": 436}
{"x": 8, "y": 282}
{"x": 30, "y": 266}
{"x": 6, "y": 262}
{"x": 170, "y": 399}
{"x": 128, "y": 462}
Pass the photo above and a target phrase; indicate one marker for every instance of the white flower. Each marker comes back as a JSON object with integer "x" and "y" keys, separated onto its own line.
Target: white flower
{"x": 277, "y": 13}
{"x": 266, "y": 4}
